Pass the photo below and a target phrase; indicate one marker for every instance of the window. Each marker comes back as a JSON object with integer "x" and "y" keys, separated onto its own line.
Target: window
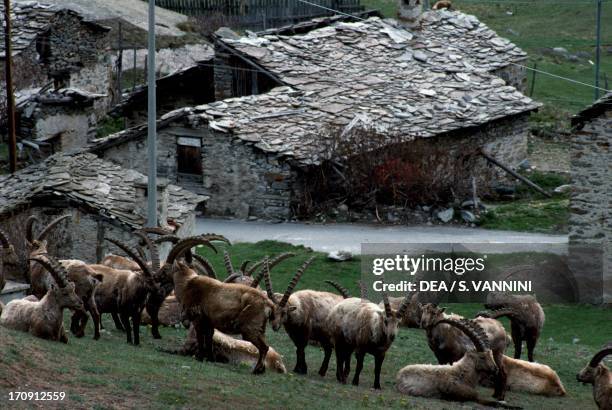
{"x": 189, "y": 156}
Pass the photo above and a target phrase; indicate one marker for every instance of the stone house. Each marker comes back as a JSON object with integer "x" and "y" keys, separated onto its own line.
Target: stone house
{"x": 187, "y": 87}
{"x": 57, "y": 120}
{"x": 56, "y": 46}
{"x": 250, "y": 154}
{"x": 590, "y": 226}
{"x": 104, "y": 200}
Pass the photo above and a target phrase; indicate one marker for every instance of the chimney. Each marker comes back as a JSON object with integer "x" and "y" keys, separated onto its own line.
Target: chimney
{"x": 141, "y": 198}
{"x": 409, "y": 12}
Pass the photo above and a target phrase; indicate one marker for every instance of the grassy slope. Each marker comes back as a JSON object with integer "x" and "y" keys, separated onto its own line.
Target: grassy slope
{"x": 110, "y": 374}
{"x": 541, "y": 24}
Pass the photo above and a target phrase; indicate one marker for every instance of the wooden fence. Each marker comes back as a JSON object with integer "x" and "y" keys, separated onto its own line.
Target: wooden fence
{"x": 260, "y": 14}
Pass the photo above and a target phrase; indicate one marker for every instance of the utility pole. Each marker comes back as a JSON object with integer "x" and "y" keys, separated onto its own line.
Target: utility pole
{"x": 598, "y": 49}
{"x": 152, "y": 124}
{"x": 10, "y": 98}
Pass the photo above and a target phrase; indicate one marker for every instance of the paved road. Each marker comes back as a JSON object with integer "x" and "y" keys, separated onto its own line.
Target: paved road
{"x": 349, "y": 237}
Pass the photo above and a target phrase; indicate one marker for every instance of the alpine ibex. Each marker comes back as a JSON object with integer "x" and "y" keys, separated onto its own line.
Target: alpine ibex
{"x": 529, "y": 377}
{"x": 227, "y": 307}
{"x": 597, "y": 374}
{"x": 356, "y": 325}
{"x": 230, "y": 350}
{"x": 303, "y": 314}
{"x": 526, "y": 318}
{"x": 459, "y": 381}
{"x": 84, "y": 278}
{"x": 124, "y": 292}
{"x": 44, "y": 318}
{"x": 450, "y": 344}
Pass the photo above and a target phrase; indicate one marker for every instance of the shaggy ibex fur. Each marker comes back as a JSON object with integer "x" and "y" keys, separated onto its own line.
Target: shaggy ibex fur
{"x": 534, "y": 378}
{"x": 124, "y": 292}
{"x": 303, "y": 314}
{"x": 356, "y": 325}
{"x": 44, "y": 318}
{"x": 230, "y": 350}
{"x": 526, "y": 319}
{"x": 450, "y": 344}
{"x": 227, "y": 307}
{"x": 84, "y": 278}
{"x": 597, "y": 374}
{"x": 457, "y": 382}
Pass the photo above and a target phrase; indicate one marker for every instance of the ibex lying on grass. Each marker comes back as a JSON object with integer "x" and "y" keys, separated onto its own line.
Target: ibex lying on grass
{"x": 597, "y": 374}
{"x": 227, "y": 349}
{"x": 450, "y": 344}
{"x": 230, "y": 308}
{"x": 459, "y": 381}
{"x": 356, "y": 325}
{"x": 44, "y": 318}
{"x": 526, "y": 318}
{"x": 534, "y": 378}
{"x": 84, "y": 278}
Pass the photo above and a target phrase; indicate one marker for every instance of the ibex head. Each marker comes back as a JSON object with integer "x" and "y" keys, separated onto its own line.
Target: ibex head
{"x": 282, "y": 308}
{"x": 38, "y": 245}
{"x": 595, "y": 367}
{"x": 62, "y": 289}
{"x": 431, "y": 315}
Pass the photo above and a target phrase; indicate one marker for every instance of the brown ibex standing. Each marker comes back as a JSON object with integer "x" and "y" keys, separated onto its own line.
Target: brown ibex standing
{"x": 597, "y": 374}
{"x": 526, "y": 318}
{"x": 44, "y": 318}
{"x": 84, "y": 278}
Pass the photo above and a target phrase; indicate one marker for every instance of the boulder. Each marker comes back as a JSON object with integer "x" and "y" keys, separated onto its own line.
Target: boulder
{"x": 446, "y": 215}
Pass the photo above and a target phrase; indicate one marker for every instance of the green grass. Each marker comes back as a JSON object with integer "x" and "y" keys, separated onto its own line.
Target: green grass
{"x": 109, "y": 125}
{"x": 110, "y": 374}
{"x": 539, "y": 25}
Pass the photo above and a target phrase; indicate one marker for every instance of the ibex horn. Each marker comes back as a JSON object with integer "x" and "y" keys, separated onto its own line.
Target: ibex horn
{"x": 295, "y": 281}
{"x": 472, "y": 330}
{"x": 388, "y": 311}
{"x": 57, "y": 271}
{"x": 268, "y": 281}
{"x": 143, "y": 266}
{"x": 231, "y": 278}
{"x": 185, "y": 244}
{"x": 153, "y": 251}
{"x": 243, "y": 267}
{"x": 343, "y": 291}
{"x": 51, "y": 225}
{"x": 29, "y": 227}
{"x": 227, "y": 261}
{"x": 215, "y": 237}
{"x": 405, "y": 303}
{"x": 600, "y": 355}
{"x": 206, "y": 265}
{"x": 273, "y": 262}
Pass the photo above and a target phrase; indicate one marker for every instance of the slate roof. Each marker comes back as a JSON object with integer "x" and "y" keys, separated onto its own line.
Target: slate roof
{"x": 85, "y": 179}
{"x": 133, "y": 11}
{"x": 604, "y": 104}
{"x": 29, "y": 19}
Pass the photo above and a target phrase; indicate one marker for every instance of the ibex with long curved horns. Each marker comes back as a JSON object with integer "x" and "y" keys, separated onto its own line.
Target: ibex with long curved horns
{"x": 459, "y": 381}
{"x": 597, "y": 374}
{"x": 85, "y": 279}
{"x": 44, "y": 318}
{"x": 357, "y": 325}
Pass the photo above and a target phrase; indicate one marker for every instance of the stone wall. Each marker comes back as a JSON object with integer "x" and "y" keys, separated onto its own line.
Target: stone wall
{"x": 513, "y": 75}
{"x": 72, "y": 123}
{"x": 590, "y": 228}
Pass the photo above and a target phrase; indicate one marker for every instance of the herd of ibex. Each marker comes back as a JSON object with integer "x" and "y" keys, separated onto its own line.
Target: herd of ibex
{"x": 185, "y": 289}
